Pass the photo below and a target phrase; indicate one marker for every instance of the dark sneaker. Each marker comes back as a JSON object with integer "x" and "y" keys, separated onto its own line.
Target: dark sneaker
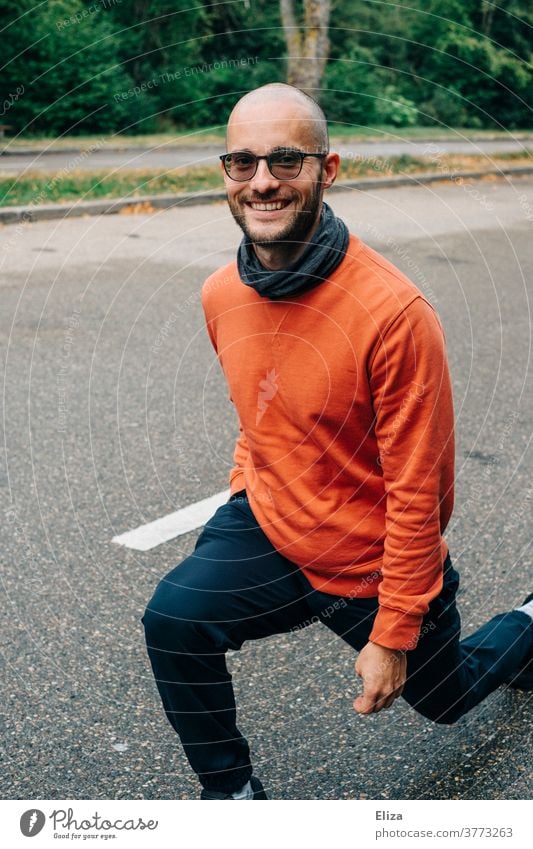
{"x": 257, "y": 787}
{"x": 522, "y": 679}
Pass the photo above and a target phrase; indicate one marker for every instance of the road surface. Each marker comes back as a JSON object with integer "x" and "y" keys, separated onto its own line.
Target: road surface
{"x": 100, "y": 159}
{"x": 115, "y": 414}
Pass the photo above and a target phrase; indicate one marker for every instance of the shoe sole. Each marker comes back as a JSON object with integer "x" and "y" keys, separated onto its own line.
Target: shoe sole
{"x": 257, "y": 787}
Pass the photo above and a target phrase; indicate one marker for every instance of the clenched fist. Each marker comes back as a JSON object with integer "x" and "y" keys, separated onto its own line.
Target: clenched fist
{"x": 383, "y": 672}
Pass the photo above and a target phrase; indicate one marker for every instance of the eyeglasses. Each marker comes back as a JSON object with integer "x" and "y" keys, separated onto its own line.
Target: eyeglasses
{"x": 282, "y": 164}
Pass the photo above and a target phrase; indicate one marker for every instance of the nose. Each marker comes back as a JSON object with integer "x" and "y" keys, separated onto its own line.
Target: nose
{"x": 263, "y": 181}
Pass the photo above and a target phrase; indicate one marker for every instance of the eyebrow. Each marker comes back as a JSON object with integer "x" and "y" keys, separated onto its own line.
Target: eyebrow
{"x": 277, "y": 149}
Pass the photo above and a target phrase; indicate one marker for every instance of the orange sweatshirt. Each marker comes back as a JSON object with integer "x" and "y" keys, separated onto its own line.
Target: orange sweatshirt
{"x": 346, "y": 446}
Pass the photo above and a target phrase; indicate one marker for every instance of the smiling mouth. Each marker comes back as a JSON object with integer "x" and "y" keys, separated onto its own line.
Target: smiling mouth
{"x": 271, "y": 206}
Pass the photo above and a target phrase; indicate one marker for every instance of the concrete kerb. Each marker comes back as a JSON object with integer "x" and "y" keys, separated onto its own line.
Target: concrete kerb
{"x": 107, "y": 206}
{"x": 430, "y": 177}
{"x": 110, "y": 206}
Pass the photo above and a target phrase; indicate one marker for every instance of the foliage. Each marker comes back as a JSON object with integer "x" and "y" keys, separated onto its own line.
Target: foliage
{"x": 68, "y": 71}
{"x": 139, "y": 66}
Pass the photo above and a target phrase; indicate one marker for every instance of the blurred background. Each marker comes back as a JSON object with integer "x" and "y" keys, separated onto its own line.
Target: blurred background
{"x": 148, "y": 66}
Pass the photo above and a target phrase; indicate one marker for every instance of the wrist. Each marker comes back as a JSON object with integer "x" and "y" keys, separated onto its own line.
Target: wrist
{"x": 399, "y": 652}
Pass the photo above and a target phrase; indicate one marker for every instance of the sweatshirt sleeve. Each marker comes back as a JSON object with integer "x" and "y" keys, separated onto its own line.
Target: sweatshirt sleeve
{"x": 240, "y": 453}
{"x": 414, "y": 426}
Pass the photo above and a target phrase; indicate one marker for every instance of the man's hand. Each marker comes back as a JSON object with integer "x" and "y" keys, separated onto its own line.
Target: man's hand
{"x": 383, "y": 672}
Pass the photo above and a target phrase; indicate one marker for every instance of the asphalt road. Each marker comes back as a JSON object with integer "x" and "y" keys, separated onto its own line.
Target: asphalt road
{"x": 115, "y": 413}
{"x": 175, "y": 157}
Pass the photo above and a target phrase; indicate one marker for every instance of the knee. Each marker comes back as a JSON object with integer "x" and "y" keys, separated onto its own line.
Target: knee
{"x": 439, "y": 713}
{"x": 167, "y": 624}
{"x": 439, "y": 703}
{"x": 446, "y": 718}
{"x": 184, "y": 618}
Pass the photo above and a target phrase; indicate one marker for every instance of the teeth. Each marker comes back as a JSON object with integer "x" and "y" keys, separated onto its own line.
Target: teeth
{"x": 268, "y": 207}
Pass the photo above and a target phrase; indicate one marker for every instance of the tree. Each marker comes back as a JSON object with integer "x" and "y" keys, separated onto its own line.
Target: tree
{"x": 307, "y": 44}
{"x": 65, "y": 63}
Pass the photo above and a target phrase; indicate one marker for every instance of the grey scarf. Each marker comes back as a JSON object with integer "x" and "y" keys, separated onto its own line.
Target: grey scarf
{"x": 319, "y": 259}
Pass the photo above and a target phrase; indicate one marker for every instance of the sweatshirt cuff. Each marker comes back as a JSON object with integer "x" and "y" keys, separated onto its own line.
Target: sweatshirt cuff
{"x": 236, "y": 481}
{"x": 395, "y": 629}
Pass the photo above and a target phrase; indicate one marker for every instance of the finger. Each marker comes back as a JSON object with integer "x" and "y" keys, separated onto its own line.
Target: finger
{"x": 381, "y": 702}
{"x": 364, "y": 703}
{"x": 397, "y": 692}
{"x": 361, "y": 705}
{"x": 385, "y": 703}
{"x": 385, "y": 700}
{"x": 371, "y": 699}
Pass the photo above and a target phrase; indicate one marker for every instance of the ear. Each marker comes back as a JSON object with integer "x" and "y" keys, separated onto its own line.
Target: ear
{"x": 331, "y": 168}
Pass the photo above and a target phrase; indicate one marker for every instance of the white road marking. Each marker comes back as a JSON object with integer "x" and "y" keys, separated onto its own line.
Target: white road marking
{"x": 173, "y": 525}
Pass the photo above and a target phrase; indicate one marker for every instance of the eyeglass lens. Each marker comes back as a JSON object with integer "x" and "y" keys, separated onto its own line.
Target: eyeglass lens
{"x": 284, "y": 165}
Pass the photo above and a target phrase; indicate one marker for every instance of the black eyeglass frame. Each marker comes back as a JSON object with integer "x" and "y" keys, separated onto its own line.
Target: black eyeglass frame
{"x": 268, "y": 157}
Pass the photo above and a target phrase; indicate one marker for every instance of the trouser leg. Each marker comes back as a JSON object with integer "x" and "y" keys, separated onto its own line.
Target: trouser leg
{"x": 448, "y": 676}
{"x": 234, "y": 587}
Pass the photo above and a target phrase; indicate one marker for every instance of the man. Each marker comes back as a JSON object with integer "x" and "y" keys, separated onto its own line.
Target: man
{"x": 344, "y": 466}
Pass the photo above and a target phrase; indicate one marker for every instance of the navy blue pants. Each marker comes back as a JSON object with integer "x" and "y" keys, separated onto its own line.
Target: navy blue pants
{"x": 236, "y": 587}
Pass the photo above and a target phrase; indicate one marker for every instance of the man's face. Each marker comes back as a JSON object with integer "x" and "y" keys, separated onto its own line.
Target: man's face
{"x": 261, "y": 129}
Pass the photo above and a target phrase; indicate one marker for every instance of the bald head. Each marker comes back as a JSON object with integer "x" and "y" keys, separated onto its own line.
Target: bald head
{"x": 281, "y": 102}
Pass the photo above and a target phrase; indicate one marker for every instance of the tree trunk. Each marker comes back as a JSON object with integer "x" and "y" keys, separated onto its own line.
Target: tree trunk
{"x": 307, "y": 43}
{"x": 487, "y": 17}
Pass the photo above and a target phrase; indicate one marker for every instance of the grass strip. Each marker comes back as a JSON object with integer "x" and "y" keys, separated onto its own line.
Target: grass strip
{"x": 37, "y": 188}
{"x": 216, "y": 135}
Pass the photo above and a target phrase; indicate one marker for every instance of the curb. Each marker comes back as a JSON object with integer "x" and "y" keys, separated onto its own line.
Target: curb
{"x": 108, "y": 206}
{"x": 148, "y": 203}
{"x": 429, "y": 177}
